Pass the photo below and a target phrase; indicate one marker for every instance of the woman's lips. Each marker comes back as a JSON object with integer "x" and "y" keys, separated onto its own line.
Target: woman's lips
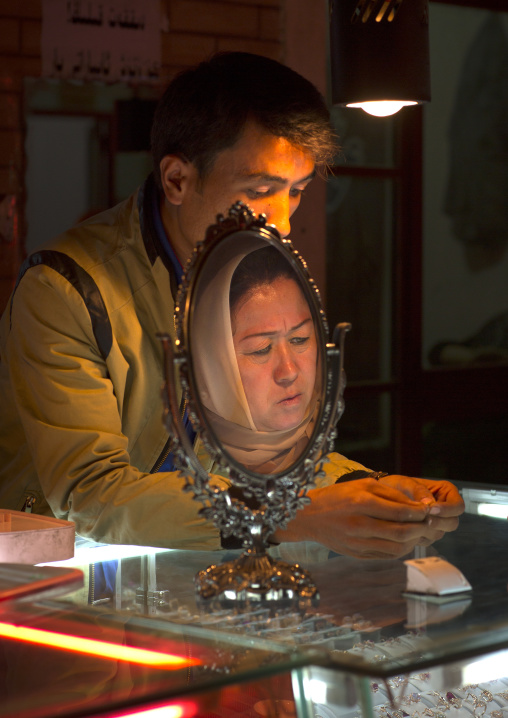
{"x": 290, "y": 400}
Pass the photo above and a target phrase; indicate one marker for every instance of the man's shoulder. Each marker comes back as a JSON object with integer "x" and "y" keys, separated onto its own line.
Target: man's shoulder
{"x": 104, "y": 255}
{"x": 102, "y": 237}
{"x": 108, "y": 247}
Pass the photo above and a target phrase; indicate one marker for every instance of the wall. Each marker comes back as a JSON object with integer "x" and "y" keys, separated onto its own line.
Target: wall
{"x": 465, "y": 178}
{"x": 19, "y": 57}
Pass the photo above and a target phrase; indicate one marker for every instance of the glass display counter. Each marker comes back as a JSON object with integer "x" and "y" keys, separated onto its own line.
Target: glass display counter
{"x": 134, "y": 640}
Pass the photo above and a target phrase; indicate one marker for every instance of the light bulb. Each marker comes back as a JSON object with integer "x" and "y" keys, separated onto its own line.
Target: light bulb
{"x": 382, "y": 108}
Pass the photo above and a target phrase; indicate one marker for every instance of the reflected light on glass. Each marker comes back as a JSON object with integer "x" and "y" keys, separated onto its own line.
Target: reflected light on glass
{"x": 175, "y": 710}
{"x": 489, "y": 668}
{"x": 315, "y": 689}
{"x": 496, "y": 511}
{"x": 101, "y": 649}
{"x": 382, "y": 108}
{"x": 161, "y": 712}
{"x": 90, "y": 552}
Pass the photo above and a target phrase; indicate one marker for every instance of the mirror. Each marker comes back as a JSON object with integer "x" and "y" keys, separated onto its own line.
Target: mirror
{"x": 263, "y": 390}
{"x": 254, "y": 350}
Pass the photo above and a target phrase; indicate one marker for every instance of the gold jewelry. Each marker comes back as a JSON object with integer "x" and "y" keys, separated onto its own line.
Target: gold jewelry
{"x": 377, "y": 475}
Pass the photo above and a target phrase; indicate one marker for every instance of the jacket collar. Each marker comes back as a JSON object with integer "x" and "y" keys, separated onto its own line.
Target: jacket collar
{"x": 146, "y": 221}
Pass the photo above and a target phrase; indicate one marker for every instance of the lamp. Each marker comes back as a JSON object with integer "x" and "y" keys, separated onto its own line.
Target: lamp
{"x": 379, "y": 54}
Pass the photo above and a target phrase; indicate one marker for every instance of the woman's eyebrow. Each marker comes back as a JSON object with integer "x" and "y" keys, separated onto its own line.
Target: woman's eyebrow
{"x": 298, "y": 326}
{"x": 271, "y": 334}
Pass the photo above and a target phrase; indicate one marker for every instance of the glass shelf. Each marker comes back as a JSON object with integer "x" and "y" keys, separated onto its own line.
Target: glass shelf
{"x": 364, "y": 650}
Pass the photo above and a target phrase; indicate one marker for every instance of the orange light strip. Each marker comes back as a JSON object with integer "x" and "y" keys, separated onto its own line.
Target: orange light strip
{"x": 92, "y": 647}
{"x": 176, "y": 710}
{"x": 163, "y": 712}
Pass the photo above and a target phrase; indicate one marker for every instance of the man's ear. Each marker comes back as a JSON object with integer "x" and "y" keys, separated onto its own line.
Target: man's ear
{"x": 176, "y": 174}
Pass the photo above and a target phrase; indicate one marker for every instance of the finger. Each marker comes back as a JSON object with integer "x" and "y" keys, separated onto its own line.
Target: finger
{"x": 441, "y": 524}
{"x": 447, "y": 496}
{"x": 372, "y": 538}
{"x": 436, "y": 529}
{"x": 447, "y": 509}
{"x": 428, "y": 541}
{"x": 444, "y": 497}
{"x": 377, "y": 549}
{"x": 389, "y": 504}
{"x": 365, "y": 528}
{"x": 410, "y": 487}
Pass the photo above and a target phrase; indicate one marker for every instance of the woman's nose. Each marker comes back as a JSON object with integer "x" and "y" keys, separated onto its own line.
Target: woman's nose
{"x": 286, "y": 369}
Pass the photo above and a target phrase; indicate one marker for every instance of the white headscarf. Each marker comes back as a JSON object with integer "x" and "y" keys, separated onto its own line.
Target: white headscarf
{"x": 218, "y": 377}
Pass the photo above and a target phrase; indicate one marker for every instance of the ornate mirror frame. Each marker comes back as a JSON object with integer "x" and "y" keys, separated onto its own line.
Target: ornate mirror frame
{"x": 276, "y": 497}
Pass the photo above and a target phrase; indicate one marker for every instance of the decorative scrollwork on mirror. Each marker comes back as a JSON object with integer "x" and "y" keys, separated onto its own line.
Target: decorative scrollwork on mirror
{"x": 263, "y": 391}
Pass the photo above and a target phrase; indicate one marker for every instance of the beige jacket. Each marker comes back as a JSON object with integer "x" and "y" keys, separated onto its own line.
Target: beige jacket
{"x": 80, "y": 380}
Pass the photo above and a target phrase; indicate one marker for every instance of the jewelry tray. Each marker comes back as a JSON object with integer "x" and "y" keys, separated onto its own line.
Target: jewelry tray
{"x": 30, "y": 539}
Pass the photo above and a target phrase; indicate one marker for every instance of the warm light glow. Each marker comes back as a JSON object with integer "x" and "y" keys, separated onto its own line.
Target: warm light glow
{"x": 175, "y": 710}
{"x": 383, "y": 108}
{"x": 488, "y": 668}
{"x": 160, "y": 712}
{"x": 89, "y": 646}
{"x": 497, "y": 511}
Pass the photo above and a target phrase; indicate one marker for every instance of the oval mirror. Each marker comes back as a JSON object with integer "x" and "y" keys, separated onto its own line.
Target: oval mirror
{"x": 263, "y": 391}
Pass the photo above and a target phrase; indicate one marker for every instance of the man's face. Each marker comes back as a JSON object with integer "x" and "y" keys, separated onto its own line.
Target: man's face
{"x": 266, "y": 172}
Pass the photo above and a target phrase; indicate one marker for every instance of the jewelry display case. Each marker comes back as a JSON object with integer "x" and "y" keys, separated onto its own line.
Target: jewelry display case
{"x": 147, "y": 646}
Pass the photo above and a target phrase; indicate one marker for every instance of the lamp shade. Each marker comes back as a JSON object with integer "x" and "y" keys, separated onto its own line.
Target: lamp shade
{"x": 379, "y": 50}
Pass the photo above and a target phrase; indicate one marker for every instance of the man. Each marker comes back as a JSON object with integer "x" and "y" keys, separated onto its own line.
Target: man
{"x": 81, "y": 434}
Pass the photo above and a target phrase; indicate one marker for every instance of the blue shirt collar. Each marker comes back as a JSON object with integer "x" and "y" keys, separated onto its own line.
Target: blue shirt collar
{"x": 163, "y": 238}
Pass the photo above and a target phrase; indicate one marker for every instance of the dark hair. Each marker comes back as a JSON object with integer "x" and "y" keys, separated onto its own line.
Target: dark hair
{"x": 263, "y": 266}
{"x": 204, "y": 110}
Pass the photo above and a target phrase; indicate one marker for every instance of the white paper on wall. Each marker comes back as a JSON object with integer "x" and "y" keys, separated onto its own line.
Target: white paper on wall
{"x": 102, "y": 40}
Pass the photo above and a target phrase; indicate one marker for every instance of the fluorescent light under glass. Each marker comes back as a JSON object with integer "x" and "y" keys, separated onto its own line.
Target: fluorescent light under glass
{"x": 488, "y": 668}
{"x": 496, "y": 511}
{"x": 95, "y": 553}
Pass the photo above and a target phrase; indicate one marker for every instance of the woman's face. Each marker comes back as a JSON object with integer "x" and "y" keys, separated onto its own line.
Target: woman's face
{"x": 276, "y": 350}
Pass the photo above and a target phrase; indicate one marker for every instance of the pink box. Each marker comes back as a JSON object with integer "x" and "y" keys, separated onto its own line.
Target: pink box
{"x": 30, "y": 539}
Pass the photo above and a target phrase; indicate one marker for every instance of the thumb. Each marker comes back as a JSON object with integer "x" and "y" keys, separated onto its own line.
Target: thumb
{"x": 414, "y": 490}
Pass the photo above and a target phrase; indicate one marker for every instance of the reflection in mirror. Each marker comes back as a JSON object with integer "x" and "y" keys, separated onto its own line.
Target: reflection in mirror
{"x": 256, "y": 360}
